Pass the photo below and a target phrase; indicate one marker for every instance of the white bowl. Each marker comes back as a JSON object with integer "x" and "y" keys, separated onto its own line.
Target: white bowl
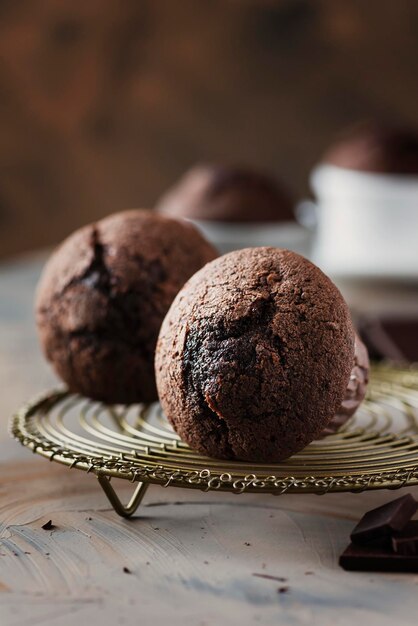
{"x": 228, "y": 236}
{"x": 367, "y": 224}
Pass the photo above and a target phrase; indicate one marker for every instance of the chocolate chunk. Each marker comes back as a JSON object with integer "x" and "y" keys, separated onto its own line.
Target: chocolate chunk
{"x": 406, "y": 541}
{"x": 379, "y": 523}
{"x": 48, "y": 525}
{"x": 375, "y": 559}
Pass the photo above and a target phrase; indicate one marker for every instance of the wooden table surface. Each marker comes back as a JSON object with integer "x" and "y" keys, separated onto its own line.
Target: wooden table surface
{"x": 189, "y": 557}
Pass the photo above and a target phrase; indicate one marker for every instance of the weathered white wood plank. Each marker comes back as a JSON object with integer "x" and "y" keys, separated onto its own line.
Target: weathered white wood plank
{"x": 192, "y": 556}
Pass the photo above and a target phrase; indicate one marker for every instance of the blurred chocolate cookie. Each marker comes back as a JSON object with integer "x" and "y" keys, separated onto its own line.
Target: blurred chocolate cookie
{"x": 254, "y": 356}
{"x": 103, "y": 295}
{"x": 227, "y": 194}
{"x": 376, "y": 148}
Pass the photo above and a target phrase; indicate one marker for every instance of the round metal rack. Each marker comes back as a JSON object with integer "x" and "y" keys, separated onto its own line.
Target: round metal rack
{"x": 376, "y": 449}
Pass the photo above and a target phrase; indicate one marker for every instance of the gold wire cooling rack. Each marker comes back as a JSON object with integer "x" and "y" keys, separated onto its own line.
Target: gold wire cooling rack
{"x": 376, "y": 449}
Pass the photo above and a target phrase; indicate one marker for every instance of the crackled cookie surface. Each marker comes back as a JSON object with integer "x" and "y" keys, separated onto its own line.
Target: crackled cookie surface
{"x": 103, "y": 295}
{"x": 254, "y": 356}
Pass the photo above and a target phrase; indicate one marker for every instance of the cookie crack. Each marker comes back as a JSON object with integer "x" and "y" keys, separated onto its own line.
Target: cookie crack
{"x": 210, "y": 342}
{"x": 97, "y": 275}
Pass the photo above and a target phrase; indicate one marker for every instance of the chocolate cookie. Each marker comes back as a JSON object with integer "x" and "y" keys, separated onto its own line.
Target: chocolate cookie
{"x": 376, "y": 148}
{"x": 254, "y": 356}
{"x": 103, "y": 295}
{"x": 227, "y": 194}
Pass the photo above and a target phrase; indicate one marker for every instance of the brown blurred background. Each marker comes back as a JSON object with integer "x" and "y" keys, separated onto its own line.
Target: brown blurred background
{"x": 105, "y": 102}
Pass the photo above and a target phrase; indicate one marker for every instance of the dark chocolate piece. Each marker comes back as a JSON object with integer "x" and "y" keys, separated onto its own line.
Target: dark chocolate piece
{"x": 406, "y": 541}
{"x": 379, "y": 523}
{"x": 48, "y": 525}
{"x": 372, "y": 559}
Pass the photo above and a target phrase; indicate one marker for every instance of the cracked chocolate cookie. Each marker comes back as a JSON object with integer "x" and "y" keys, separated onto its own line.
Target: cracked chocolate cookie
{"x": 102, "y": 298}
{"x": 227, "y": 194}
{"x": 254, "y": 356}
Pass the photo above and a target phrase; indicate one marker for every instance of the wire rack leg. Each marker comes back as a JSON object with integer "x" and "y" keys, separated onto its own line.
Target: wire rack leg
{"x": 121, "y": 509}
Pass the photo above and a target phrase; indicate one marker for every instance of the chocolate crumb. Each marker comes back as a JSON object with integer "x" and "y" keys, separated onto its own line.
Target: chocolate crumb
{"x": 127, "y": 570}
{"x": 247, "y": 543}
{"x": 280, "y": 579}
{"x": 309, "y": 573}
{"x": 283, "y": 590}
{"x": 48, "y": 525}
{"x": 206, "y": 562}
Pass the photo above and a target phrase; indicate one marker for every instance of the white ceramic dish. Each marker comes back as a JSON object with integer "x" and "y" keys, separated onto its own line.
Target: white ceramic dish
{"x": 228, "y": 236}
{"x": 367, "y": 224}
